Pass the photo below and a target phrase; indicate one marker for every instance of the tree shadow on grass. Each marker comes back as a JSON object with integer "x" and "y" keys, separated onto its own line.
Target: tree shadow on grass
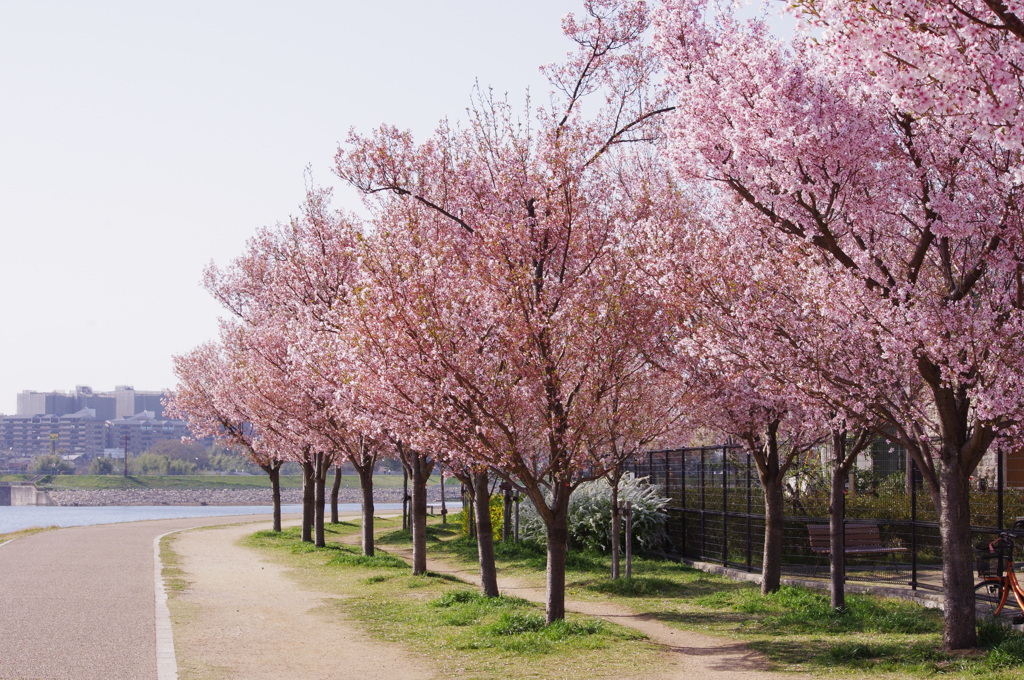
{"x": 854, "y": 655}
{"x": 395, "y": 537}
{"x": 698, "y": 619}
{"x": 657, "y": 586}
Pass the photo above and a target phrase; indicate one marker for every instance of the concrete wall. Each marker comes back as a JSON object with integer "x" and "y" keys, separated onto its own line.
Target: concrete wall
{"x": 23, "y": 494}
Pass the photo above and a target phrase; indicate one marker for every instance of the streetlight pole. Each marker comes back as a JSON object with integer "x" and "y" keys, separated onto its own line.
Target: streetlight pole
{"x": 53, "y": 451}
{"x": 126, "y": 456}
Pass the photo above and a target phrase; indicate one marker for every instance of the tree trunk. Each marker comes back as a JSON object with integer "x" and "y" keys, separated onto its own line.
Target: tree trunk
{"x": 307, "y": 501}
{"x": 320, "y": 485}
{"x": 616, "y": 531}
{"x": 418, "y": 512}
{"x": 771, "y": 566}
{"x": 558, "y": 544}
{"x": 837, "y": 537}
{"x": 273, "y": 471}
{"x": 485, "y": 536}
{"x": 959, "y": 629}
{"x": 366, "y": 485}
{"x": 405, "y": 498}
{"x": 963, "y": 445}
{"x": 506, "y": 511}
{"x": 335, "y": 491}
{"x": 444, "y": 505}
{"x": 845, "y": 450}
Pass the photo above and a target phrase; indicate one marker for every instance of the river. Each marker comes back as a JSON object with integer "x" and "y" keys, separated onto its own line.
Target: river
{"x": 14, "y": 518}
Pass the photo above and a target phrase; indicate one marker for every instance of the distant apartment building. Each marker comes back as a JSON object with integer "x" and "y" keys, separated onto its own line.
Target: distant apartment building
{"x": 143, "y": 430}
{"x": 72, "y": 433}
{"x": 123, "y": 402}
{"x": 87, "y": 422}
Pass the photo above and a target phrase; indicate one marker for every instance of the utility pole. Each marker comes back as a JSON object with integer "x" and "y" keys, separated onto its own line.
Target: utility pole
{"x": 53, "y": 451}
{"x": 126, "y": 456}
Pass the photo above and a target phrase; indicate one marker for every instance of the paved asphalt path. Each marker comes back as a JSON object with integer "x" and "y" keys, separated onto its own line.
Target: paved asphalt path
{"x": 79, "y": 603}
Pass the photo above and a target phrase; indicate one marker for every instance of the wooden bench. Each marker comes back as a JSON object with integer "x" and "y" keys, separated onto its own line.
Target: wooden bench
{"x": 861, "y": 539}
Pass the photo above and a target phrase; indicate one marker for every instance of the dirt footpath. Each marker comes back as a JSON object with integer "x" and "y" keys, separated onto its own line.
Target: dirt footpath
{"x": 244, "y": 617}
{"x": 687, "y": 655}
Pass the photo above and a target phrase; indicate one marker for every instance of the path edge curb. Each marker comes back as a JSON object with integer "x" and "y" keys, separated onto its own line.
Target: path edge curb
{"x": 166, "y": 661}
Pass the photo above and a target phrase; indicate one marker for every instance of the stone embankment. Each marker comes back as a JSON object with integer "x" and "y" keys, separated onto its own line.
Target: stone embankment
{"x": 92, "y": 497}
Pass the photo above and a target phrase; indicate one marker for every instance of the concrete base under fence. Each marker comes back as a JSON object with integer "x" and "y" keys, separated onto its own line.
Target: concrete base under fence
{"x": 932, "y": 600}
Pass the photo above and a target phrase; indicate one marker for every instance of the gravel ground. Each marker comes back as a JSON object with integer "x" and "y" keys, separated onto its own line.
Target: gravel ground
{"x": 93, "y": 497}
{"x": 244, "y": 616}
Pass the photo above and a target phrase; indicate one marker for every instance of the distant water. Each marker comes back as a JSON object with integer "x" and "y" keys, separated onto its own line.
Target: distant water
{"x": 13, "y": 518}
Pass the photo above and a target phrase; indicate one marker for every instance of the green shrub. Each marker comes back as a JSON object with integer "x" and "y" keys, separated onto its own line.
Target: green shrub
{"x": 461, "y": 518}
{"x": 590, "y": 515}
{"x": 101, "y": 466}
{"x": 52, "y": 464}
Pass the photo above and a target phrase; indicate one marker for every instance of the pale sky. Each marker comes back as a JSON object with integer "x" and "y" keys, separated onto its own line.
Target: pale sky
{"x": 139, "y": 141}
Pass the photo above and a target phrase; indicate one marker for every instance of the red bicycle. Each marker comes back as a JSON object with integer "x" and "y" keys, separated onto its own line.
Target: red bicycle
{"x": 994, "y": 562}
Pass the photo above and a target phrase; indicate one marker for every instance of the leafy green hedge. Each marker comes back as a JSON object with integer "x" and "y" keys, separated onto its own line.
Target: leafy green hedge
{"x": 590, "y": 515}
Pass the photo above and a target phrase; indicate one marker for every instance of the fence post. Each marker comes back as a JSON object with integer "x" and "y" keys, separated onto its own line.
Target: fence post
{"x": 666, "y": 472}
{"x": 682, "y": 498}
{"x": 628, "y": 511}
{"x": 750, "y": 548}
{"x": 703, "y": 506}
{"x": 999, "y": 486}
{"x": 725, "y": 509}
{"x": 913, "y": 525}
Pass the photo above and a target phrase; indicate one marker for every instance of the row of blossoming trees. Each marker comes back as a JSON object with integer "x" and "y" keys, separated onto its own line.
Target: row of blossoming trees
{"x": 786, "y": 242}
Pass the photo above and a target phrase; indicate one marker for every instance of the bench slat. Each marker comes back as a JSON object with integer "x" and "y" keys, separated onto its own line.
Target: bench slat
{"x": 861, "y": 539}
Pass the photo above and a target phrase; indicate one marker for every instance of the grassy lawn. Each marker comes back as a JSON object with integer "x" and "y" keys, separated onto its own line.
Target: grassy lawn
{"x": 445, "y": 619}
{"x": 194, "y": 482}
{"x": 794, "y": 628}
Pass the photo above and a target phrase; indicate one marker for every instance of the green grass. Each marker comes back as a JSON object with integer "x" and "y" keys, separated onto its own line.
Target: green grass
{"x": 21, "y": 533}
{"x": 795, "y": 628}
{"x": 463, "y": 633}
{"x": 175, "y": 579}
{"x": 470, "y": 636}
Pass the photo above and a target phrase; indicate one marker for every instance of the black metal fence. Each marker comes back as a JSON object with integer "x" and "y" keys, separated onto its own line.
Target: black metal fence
{"x": 716, "y": 510}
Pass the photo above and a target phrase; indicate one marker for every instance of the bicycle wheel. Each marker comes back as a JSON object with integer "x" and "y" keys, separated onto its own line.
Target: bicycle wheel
{"x": 989, "y": 597}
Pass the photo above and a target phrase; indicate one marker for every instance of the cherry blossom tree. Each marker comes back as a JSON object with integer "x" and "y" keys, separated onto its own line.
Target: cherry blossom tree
{"x": 281, "y": 290}
{"x": 501, "y": 302}
{"x": 911, "y": 231}
{"x": 477, "y": 481}
{"x": 211, "y": 399}
{"x": 768, "y": 418}
{"x": 286, "y": 404}
{"x": 753, "y": 334}
{"x": 957, "y": 62}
